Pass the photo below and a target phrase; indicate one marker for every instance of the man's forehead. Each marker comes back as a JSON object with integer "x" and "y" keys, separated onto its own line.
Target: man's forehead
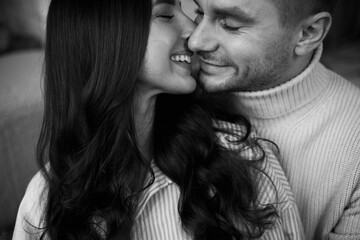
{"x": 251, "y": 8}
{"x": 221, "y": 4}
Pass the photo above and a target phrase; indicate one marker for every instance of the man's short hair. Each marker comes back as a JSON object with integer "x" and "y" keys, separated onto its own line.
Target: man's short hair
{"x": 293, "y": 11}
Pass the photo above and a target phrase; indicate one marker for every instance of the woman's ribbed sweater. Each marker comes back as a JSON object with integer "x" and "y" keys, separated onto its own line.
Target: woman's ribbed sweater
{"x": 315, "y": 121}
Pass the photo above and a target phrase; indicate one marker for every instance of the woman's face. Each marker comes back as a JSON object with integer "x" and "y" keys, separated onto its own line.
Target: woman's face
{"x": 166, "y": 67}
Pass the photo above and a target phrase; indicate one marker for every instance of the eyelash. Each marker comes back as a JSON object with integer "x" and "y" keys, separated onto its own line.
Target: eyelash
{"x": 167, "y": 16}
{"x": 226, "y": 27}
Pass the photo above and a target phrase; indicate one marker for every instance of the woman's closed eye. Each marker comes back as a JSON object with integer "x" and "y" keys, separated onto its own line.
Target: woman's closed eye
{"x": 166, "y": 16}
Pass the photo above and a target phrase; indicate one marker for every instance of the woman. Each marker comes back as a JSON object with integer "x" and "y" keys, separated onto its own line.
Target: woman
{"x": 121, "y": 159}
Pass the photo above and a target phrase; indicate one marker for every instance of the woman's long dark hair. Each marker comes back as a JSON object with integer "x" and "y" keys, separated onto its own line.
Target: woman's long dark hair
{"x": 94, "y": 50}
{"x": 87, "y": 150}
{"x": 219, "y": 192}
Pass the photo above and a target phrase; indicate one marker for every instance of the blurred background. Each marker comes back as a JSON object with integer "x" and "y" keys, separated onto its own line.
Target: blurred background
{"x": 22, "y": 27}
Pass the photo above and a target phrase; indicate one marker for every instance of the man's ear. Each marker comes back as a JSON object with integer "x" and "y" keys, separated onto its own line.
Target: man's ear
{"x": 312, "y": 32}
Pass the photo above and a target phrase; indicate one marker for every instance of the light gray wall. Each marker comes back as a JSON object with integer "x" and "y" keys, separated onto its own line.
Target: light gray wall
{"x": 189, "y": 7}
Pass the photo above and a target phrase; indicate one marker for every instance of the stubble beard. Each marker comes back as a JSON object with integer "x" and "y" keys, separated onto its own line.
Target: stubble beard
{"x": 263, "y": 72}
{"x": 267, "y": 72}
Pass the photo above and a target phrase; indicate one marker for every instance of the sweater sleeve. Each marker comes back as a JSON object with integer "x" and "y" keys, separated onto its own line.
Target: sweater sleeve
{"x": 348, "y": 226}
{"x": 28, "y": 220}
{"x": 288, "y": 226}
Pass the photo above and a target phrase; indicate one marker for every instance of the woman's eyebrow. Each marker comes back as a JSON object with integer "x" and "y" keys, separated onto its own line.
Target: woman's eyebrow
{"x": 157, "y": 2}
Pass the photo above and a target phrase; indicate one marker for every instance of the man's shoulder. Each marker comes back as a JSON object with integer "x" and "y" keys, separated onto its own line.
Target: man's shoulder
{"x": 341, "y": 100}
{"x": 343, "y": 89}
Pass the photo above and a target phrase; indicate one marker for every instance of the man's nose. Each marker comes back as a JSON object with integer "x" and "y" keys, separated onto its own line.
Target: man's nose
{"x": 202, "y": 39}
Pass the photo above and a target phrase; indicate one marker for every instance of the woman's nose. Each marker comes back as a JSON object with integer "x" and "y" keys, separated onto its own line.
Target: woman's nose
{"x": 189, "y": 27}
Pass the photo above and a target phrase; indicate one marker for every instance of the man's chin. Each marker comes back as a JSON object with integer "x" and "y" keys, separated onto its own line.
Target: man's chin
{"x": 212, "y": 83}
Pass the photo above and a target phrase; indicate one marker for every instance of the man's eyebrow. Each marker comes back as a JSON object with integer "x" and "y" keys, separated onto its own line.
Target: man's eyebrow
{"x": 157, "y": 2}
{"x": 236, "y": 13}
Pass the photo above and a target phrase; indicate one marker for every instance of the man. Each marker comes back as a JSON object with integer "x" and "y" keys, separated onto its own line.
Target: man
{"x": 265, "y": 54}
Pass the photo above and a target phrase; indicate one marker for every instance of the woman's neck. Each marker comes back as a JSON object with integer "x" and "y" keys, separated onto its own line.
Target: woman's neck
{"x": 144, "y": 121}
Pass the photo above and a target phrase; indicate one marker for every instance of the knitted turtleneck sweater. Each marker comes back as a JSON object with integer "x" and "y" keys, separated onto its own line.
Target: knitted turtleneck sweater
{"x": 315, "y": 121}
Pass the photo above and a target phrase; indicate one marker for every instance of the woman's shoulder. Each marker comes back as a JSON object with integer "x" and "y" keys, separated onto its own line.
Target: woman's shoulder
{"x": 274, "y": 189}
{"x": 273, "y": 183}
{"x": 34, "y": 195}
{"x": 235, "y": 136}
{"x": 30, "y": 213}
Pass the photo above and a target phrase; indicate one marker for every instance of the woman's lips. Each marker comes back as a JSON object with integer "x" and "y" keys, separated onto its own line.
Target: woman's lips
{"x": 182, "y": 58}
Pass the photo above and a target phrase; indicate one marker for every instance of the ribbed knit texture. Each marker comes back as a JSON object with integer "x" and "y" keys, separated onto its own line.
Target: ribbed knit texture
{"x": 157, "y": 217}
{"x": 315, "y": 121}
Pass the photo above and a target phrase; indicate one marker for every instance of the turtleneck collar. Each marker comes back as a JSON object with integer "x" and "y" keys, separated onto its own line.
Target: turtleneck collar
{"x": 287, "y": 97}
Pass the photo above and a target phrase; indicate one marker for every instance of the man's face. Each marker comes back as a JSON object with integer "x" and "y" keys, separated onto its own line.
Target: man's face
{"x": 241, "y": 45}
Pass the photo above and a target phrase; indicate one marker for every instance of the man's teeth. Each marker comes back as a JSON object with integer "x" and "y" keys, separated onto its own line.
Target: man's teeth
{"x": 181, "y": 58}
